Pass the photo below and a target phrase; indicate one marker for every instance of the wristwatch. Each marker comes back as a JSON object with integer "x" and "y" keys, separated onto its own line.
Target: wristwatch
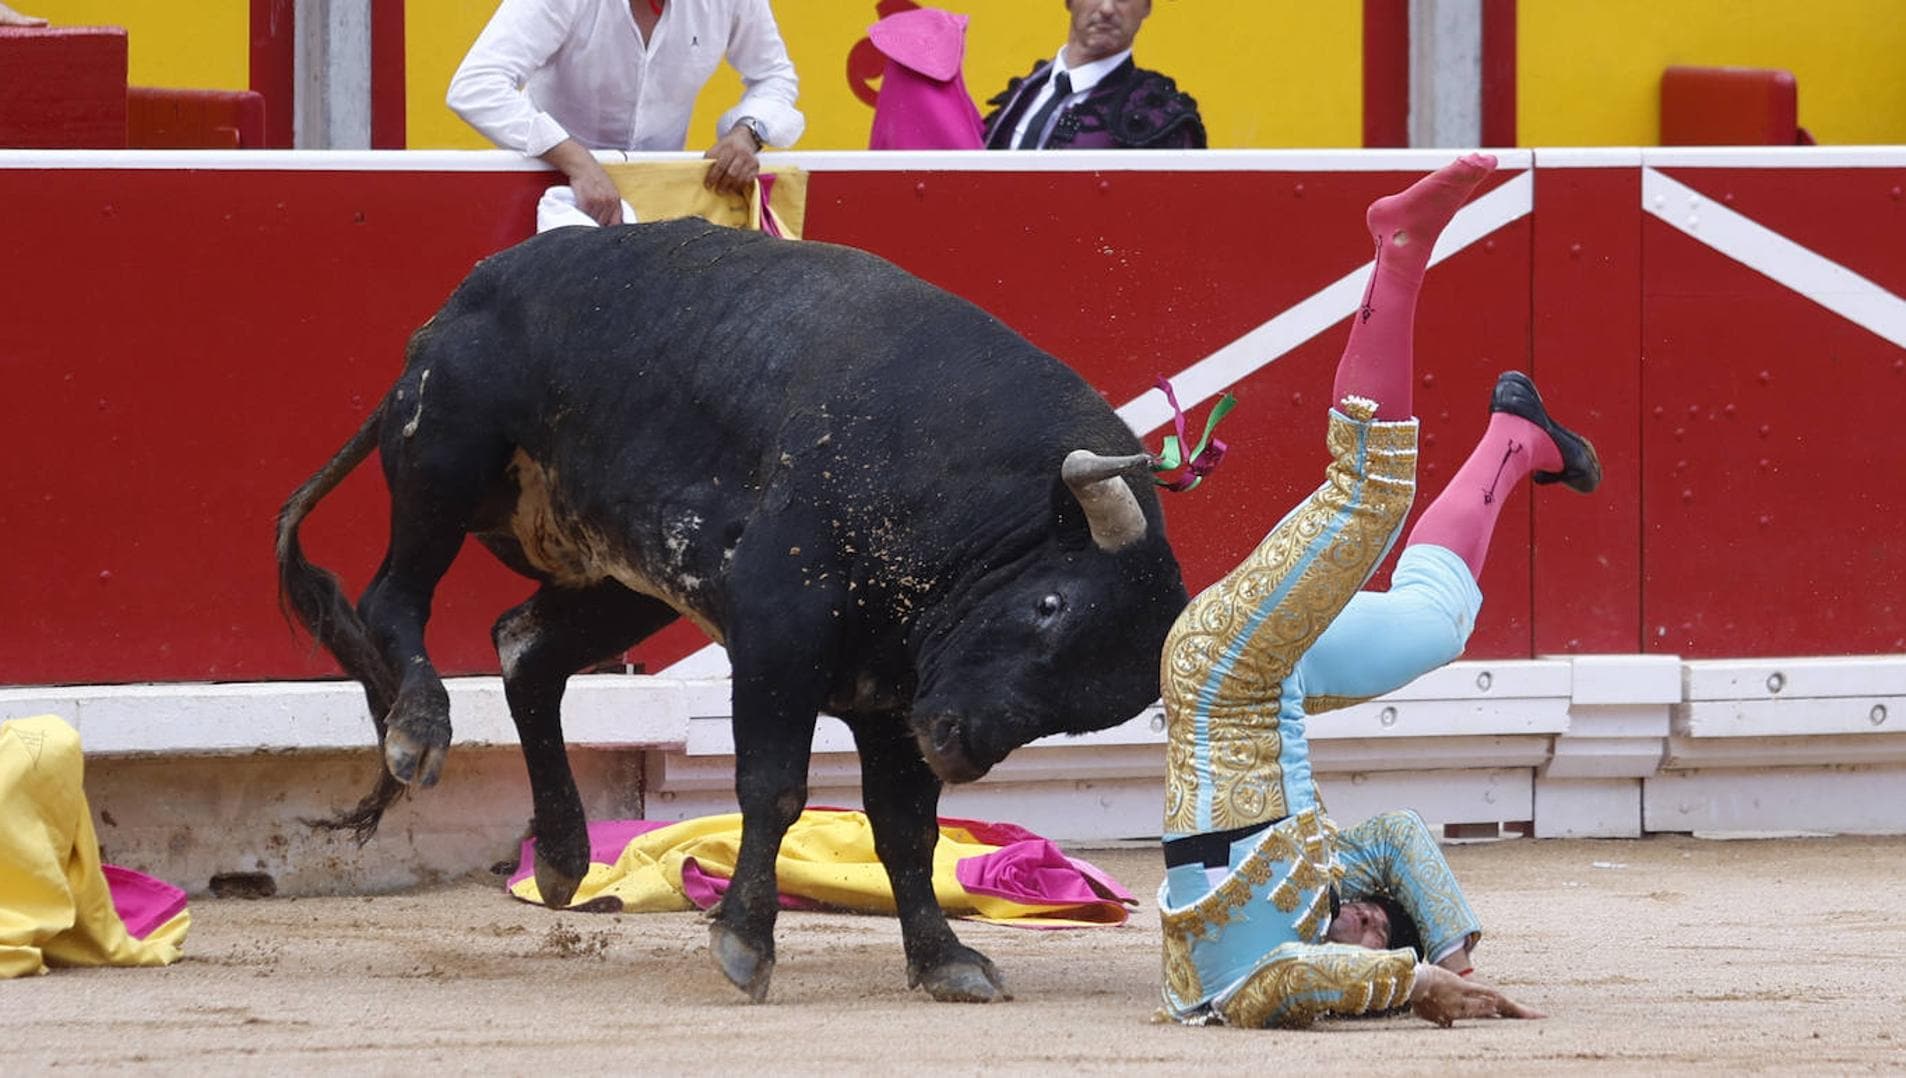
{"x": 756, "y": 128}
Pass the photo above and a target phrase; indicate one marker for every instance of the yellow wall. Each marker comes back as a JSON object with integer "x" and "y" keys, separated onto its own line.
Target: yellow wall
{"x": 1265, "y": 72}
{"x": 200, "y": 45}
{"x": 1589, "y": 71}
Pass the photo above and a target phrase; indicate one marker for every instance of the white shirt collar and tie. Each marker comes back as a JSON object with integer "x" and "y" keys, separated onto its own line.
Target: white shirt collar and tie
{"x": 1079, "y": 79}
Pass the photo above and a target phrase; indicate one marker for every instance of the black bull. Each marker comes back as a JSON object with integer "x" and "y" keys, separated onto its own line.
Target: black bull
{"x": 886, "y": 504}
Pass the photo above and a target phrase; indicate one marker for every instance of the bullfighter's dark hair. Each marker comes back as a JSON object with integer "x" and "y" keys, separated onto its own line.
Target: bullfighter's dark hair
{"x": 1403, "y": 930}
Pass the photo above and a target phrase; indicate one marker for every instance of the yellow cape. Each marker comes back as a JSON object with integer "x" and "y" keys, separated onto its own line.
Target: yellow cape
{"x": 664, "y": 190}
{"x": 55, "y": 908}
{"x": 827, "y": 857}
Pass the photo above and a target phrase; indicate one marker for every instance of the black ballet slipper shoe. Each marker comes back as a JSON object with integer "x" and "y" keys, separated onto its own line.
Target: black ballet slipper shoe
{"x": 1581, "y": 468}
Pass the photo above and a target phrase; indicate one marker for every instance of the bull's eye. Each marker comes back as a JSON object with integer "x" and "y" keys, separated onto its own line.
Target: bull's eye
{"x": 1050, "y": 605}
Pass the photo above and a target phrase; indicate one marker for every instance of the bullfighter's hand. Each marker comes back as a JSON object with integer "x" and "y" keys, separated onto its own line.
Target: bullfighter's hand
{"x": 735, "y": 164}
{"x": 1442, "y": 997}
{"x": 10, "y": 17}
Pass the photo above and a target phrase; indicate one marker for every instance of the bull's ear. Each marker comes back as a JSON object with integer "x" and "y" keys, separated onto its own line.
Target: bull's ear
{"x": 1111, "y": 509}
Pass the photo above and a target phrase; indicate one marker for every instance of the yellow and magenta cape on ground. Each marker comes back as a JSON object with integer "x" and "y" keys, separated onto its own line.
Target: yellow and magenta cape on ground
{"x": 983, "y": 871}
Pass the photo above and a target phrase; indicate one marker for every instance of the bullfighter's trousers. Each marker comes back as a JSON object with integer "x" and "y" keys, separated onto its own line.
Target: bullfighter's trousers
{"x": 1286, "y": 633}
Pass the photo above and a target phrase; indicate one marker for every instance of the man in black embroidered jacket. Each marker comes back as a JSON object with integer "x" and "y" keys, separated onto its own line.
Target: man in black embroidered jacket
{"x": 1092, "y": 96}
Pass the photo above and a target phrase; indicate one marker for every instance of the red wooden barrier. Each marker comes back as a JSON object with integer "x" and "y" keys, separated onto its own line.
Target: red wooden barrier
{"x": 1730, "y": 106}
{"x": 181, "y": 347}
{"x": 63, "y": 87}
{"x": 1586, "y": 354}
{"x": 1774, "y": 489}
{"x": 162, "y": 118}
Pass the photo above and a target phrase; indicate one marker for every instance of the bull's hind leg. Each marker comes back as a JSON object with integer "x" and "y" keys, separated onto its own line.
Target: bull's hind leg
{"x": 541, "y": 643}
{"x": 438, "y": 474}
{"x": 903, "y": 799}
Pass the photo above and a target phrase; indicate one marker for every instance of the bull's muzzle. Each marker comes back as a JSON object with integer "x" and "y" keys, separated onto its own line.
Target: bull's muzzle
{"x": 944, "y": 743}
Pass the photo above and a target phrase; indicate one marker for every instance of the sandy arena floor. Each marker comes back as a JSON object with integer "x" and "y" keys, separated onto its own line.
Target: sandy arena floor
{"x": 1660, "y": 955}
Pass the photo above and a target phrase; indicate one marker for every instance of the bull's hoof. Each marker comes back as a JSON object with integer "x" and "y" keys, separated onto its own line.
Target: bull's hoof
{"x": 412, "y": 760}
{"x": 968, "y": 980}
{"x": 555, "y": 886}
{"x": 562, "y": 857}
{"x": 744, "y": 966}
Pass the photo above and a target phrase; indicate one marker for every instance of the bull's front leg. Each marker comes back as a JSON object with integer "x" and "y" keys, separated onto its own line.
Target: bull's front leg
{"x": 540, "y": 644}
{"x": 902, "y": 795}
{"x": 775, "y": 705}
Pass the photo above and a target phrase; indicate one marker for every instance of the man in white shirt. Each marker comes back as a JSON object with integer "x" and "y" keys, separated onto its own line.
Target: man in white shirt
{"x": 558, "y": 79}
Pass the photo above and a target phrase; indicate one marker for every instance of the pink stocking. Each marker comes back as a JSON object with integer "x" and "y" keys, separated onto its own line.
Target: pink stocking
{"x": 1376, "y": 362}
{"x": 1463, "y": 516}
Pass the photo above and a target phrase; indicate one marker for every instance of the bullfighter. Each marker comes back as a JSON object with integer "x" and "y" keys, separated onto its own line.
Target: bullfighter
{"x": 1252, "y": 903}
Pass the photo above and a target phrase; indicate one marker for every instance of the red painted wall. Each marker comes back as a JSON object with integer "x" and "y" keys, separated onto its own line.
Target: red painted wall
{"x": 1586, "y": 351}
{"x": 182, "y": 348}
{"x": 1777, "y": 477}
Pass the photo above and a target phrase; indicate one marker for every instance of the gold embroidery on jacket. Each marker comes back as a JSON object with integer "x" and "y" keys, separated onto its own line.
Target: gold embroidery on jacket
{"x": 1299, "y": 982}
{"x": 1298, "y": 855}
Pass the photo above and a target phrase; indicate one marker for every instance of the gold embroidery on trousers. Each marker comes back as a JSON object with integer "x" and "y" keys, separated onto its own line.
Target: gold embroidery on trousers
{"x": 1228, "y": 622}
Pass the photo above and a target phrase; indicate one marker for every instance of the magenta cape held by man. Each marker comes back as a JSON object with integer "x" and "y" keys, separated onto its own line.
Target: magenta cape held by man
{"x": 923, "y": 103}
{"x": 983, "y": 871}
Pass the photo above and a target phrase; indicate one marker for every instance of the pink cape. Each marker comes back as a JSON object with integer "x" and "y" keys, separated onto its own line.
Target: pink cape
{"x": 142, "y": 902}
{"x": 923, "y": 101}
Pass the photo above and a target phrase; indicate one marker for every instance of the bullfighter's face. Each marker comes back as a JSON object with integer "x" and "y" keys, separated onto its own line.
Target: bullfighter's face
{"x": 1102, "y": 28}
{"x": 1363, "y": 924}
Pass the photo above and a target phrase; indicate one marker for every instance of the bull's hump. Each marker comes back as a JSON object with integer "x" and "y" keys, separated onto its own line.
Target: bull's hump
{"x": 578, "y": 553}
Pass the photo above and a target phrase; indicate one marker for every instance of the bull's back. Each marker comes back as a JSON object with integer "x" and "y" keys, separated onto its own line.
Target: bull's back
{"x": 688, "y": 313}
{"x": 662, "y": 380}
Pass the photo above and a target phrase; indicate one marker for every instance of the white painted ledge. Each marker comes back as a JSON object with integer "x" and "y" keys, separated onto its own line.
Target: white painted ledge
{"x": 1589, "y": 745}
{"x": 1771, "y": 679}
{"x": 1856, "y": 696}
{"x": 603, "y": 710}
{"x": 1837, "y": 800}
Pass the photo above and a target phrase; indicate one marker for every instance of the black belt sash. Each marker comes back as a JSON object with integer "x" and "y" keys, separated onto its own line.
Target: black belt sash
{"x": 1213, "y": 850}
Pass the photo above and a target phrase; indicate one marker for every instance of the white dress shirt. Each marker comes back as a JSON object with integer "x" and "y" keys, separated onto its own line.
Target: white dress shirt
{"x": 546, "y": 70}
{"x": 1083, "y": 77}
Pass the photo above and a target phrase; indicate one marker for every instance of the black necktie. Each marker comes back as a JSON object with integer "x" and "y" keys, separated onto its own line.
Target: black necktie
{"x": 1036, "y": 130}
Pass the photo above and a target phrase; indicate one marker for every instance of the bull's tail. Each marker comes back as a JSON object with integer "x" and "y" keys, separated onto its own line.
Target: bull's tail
{"x": 314, "y": 597}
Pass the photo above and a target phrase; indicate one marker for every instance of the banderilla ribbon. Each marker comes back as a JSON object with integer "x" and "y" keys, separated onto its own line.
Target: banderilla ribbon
{"x": 1199, "y": 462}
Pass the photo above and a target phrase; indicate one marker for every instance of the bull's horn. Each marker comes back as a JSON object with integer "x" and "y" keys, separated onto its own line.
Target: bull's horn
{"x": 1111, "y": 510}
